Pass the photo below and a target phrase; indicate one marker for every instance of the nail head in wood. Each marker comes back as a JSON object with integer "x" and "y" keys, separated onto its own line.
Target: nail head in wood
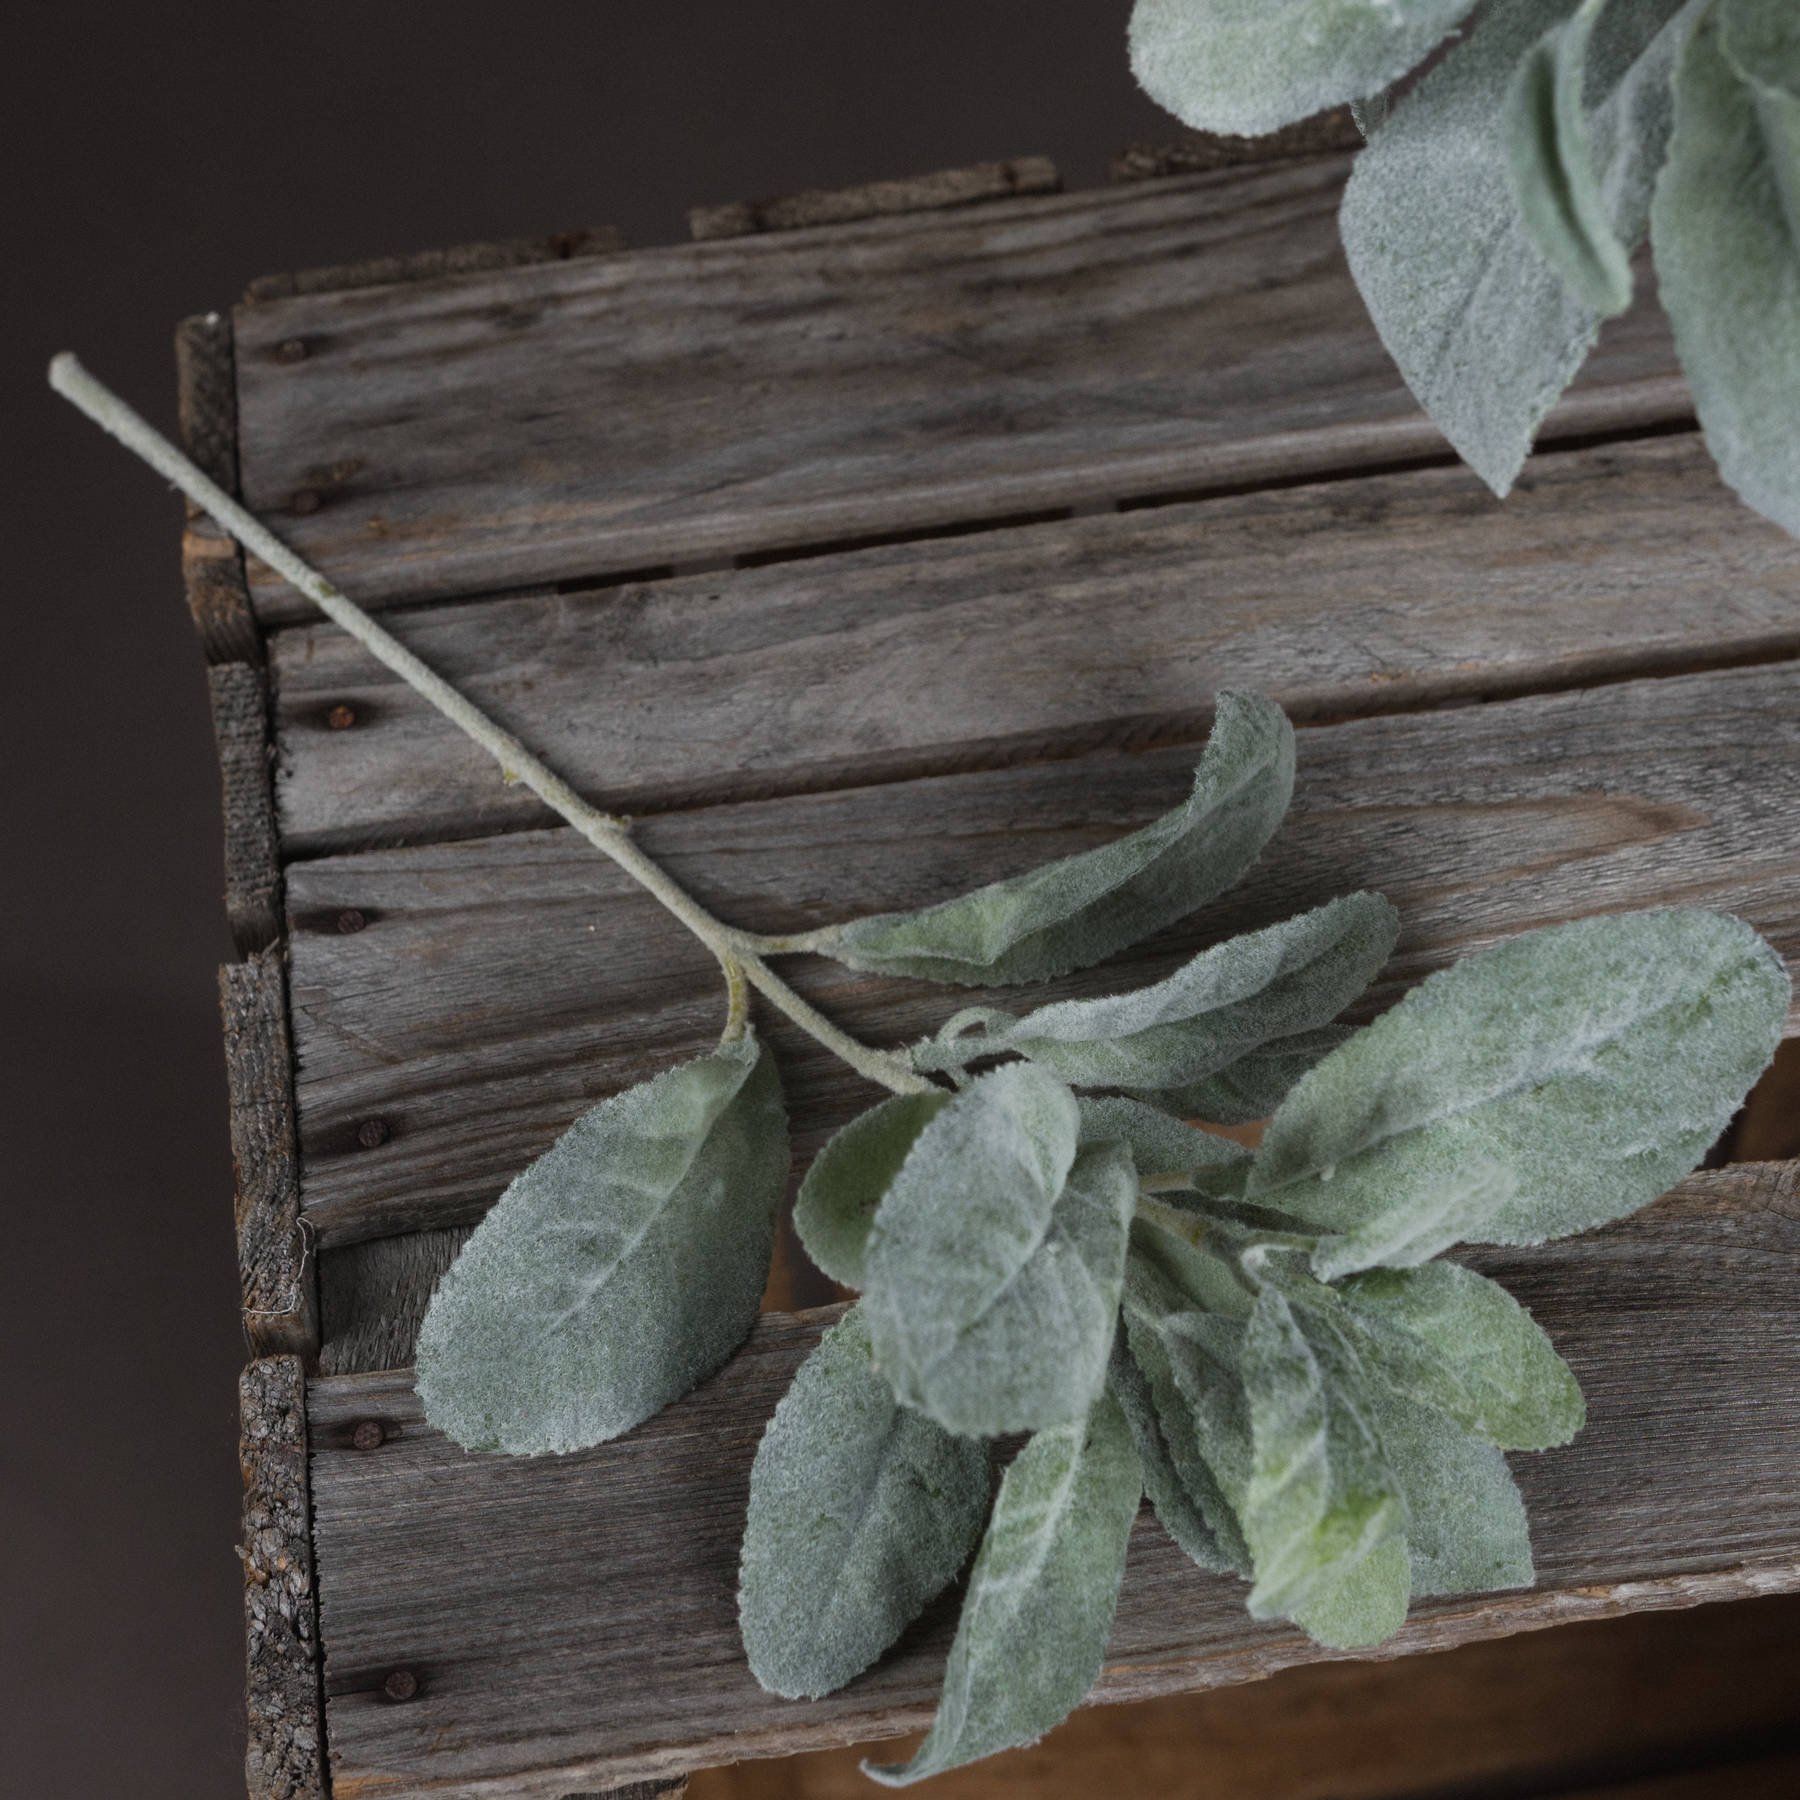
{"x": 341, "y": 717}
{"x": 372, "y": 1133}
{"x": 304, "y": 501}
{"x": 350, "y": 920}
{"x": 401, "y": 1685}
{"x": 370, "y": 1434}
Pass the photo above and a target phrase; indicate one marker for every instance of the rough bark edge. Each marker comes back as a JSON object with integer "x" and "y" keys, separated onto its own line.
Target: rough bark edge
{"x": 275, "y": 1265}
{"x": 432, "y": 265}
{"x": 283, "y": 1702}
{"x": 1198, "y": 151}
{"x": 240, "y": 716}
{"x": 212, "y": 565}
{"x": 639, "y": 1790}
{"x": 875, "y": 199}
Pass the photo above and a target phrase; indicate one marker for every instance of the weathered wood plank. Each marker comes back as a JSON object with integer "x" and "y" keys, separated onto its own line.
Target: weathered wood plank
{"x": 1194, "y": 151}
{"x": 565, "y": 1619}
{"x": 1378, "y": 594}
{"x": 1538, "y": 1713}
{"x": 285, "y": 1755}
{"x": 501, "y": 985}
{"x": 877, "y": 199}
{"x": 698, "y": 402}
{"x": 212, "y": 565}
{"x": 274, "y": 1242}
{"x": 240, "y": 716}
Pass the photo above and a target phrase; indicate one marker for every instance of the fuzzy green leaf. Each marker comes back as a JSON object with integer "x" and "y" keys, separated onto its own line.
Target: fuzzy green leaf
{"x": 1224, "y": 1004}
{"x": 1552, "y": 167}
{"x": 1727, "y": 231}
{"x": 1479, "y": 321}
{"x": 1254, "y": 1085}
{"x": 1251, "y": 66}
{"x": 1424, "y": 1222}
{"x": 837, "y": 1201}
{"x": 1596, "y": 1060}
{"x": 1082, "y": 908}
{"x": 619, "y": 1269}
{"x": 860, "y": 1511}
{"x": 995, "y": 1261}
{"x": 1176, "y": 1510}
{"x": 1040, "y": 1604}
{"x": 1160, "y": 1145}
{"x": 1321, "y": 1498}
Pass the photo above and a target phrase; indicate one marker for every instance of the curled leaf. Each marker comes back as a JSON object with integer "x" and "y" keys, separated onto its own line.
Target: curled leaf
{"x": 860, "y": 1511}
{"x": 619, "y": 1269}
{"x": 1082, "y": 908}
{"x": 836, "y": 1204}
{"x": 996, "y": 1259}
{"x": 1597, "y": 1061}
{"x": 1040, "y": 1604}
{"x": 1162, "y": 1146}
{"x": 1176, "y": 1510}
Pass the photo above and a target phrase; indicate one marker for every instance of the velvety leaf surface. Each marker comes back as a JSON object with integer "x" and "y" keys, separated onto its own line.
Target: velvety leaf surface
{"x": 1552, "y": 167}
{"x": 1253, "y": 1086}
{"x": 1596, "y": 1060}
{"x": 620, "y": 1268}
{"x": 1423, "y": 1223}
{"x": 1480, "y": 323}
{"x": 1727, "y": 233}
{"x": 1161, "y": 1145}
{"x": 1222, "y": 1005}
{"x": 1079, "y": 909}
{"x": 1040, "y": 1604}
{"x": 860, "y": 1511}
{"x": 1175, "y": 1509}
{"x": 836, "y": 1204}
{"x": 995, "y": 1262}
{"x": 1251, "y": 66}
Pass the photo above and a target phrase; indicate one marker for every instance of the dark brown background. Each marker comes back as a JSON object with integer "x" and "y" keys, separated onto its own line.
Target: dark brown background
{"x": 159, "y": 155}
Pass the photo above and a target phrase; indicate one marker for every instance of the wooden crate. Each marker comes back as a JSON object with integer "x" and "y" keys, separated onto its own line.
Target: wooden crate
{"x": 865, "y": 561}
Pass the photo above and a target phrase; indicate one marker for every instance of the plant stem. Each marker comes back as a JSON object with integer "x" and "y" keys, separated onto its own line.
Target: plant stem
{"x": 608, "y": 833}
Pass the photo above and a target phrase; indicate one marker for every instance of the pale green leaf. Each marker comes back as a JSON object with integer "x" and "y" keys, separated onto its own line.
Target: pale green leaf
{"x": 1176, "y": 1510}
{"x": 1424, "y": 1222}
{"x": 1040, "y": 1604}
{"x": 620, "y": 1268}
{"x": 1251, "y": 66}
{"x": 1596, "y": 1060}
{"x": 1082, "y": 908}
{"x": 1163, "y": 1146}
{"x": 1253, "y": 1086}
{"x": 1480, "y": 323}
{"x": 1727, "y": 231}
{"x": 1552, "y": 166}
{"x": 1220, "y": 1006}
{"x": 836, "y": 1203}
{"x": 1362, "y": 1603}
{"x": 860, "y": 1511}
{"x": 996, "y": 1259}
{"x": 1321, "y": 1497}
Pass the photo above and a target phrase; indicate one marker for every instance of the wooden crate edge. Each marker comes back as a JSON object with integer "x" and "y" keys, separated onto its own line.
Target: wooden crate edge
{"x": 212, "y": 565}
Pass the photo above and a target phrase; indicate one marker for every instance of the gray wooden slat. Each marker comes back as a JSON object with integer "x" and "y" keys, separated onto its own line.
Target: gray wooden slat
{"x": 570, "y": 1620}
{"x": 240, "y": 716}
{"x": 501, "y": 985}
{"x": 698, "y": 402}
{"x": 1382, "y": 593}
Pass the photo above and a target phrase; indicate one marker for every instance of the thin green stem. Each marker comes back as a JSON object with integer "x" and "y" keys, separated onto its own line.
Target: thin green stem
{"x": 607, "y": 832}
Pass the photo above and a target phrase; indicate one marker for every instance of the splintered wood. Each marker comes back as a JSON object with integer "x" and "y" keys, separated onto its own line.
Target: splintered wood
{"x": 866, "y": 562}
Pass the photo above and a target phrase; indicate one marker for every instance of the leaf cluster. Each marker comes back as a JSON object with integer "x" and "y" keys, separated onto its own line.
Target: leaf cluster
{"x": 1491, "y": 219}
{"x": 1263, "y": 1344}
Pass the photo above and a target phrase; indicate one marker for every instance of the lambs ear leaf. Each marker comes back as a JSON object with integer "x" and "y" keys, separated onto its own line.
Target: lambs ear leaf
{"x": 1176, "y": 1510}
{"x": 1253, "y": 1086}
{"x": 1224, "y": 1004}
{"x": 1250, "y": 66}
{"x": 996, "y": 1260}
{"x": 1160, "y": 1145}
{"x": 1082, "y": 908}
{"x": 835, "y": 1207}
{"x": 619, "y": 1269}
{"x": 1727, "y": 228}
{"x": 860, "y": 1511}
{"x": 1040, "y": 1604}
{"x": 1596, "y": 1060}
{"x": 1424, "y": 1222}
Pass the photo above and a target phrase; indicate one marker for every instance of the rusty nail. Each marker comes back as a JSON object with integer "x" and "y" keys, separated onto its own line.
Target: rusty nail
{"x": 291, "y": 350}
{"x": 341, "y": 717}
{"x": 370, "y": 1434}
{"x": 372, "y": 1133}
{"x": 350, "y": 920}
{"x": 401, "y": 1685}
{"x": 303, "y": 500}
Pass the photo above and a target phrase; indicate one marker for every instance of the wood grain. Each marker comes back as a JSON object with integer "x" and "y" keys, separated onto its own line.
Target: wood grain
{"x": 572, "y": 1618}
{"x": 285, "y": 1755}
{"x": 1379, "y": 594}
{"x": 877, "y": 199}
{"x": 1193, "y": 151}
{"x": 1539, "y": 1713}
{"x": 502, "y": 985}
{"x": 274, "y": 1242}
{"x": 240, "y": 716}
{"x": 761, "y": 394}
{"x": 212, "y": 566}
